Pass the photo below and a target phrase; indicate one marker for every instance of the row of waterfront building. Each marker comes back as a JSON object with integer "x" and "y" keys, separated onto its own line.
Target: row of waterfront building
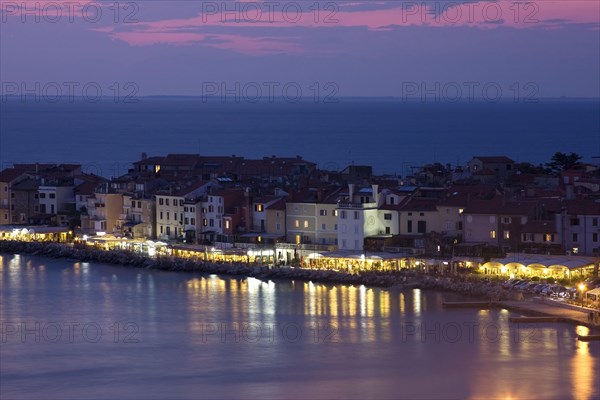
{"x": 486, "y": 209}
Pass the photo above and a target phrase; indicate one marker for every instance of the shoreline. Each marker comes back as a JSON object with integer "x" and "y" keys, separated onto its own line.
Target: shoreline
{"x": 404, "y": 279}
{"x": 485, "y": 290}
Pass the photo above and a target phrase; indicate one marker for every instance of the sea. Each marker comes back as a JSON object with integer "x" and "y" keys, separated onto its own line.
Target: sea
{"x": 76, "y": 330}
{"x": 392, "y": 135}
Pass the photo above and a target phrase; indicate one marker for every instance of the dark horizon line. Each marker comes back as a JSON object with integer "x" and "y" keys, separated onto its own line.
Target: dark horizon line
{"x": 310, "y": 99}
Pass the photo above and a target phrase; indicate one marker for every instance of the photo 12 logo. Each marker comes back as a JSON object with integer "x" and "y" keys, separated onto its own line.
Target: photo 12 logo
{"x": 288, "y": 12}
{"x": 68, "y": 332}
{"x": 470, "y": 91}
{"x": 469, "y": 12}
{"x": 270, "y": 92}
{"x": 251, "y": 332}
{"x": 54, "y": 12}
{"x": 469, "y": 332}
{"x": 53, "y": 92}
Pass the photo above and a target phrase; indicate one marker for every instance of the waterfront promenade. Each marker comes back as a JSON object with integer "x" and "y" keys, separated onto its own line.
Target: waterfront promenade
{"x": 546, "y": 307}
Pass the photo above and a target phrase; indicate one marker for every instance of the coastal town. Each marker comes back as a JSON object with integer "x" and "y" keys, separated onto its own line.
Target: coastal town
{"x": 493, "y": 216}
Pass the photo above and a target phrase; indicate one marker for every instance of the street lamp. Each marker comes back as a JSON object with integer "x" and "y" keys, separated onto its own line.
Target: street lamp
{"x": 582, "y": 289}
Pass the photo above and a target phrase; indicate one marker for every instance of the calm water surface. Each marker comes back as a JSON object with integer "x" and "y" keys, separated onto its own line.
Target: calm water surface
{"x": 79, "y": 330}
{"x": 391, "y": 135}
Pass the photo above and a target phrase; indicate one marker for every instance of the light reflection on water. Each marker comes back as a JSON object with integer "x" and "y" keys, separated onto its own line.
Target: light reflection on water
{"x": 229, "y": 337}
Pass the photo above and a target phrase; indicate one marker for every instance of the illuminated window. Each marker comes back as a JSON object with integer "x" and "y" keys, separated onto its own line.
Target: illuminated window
{"x": 156, "y": 168}
{"x": 298, "y": 239}
{"x": 548, "y": 237}
{"x": 306, "y": 224}
{"x": 297, "y": 223}
{"x": 493, "y": 234}
{"x": 575, "y": 250}
{"x": 506, "y": 235}
{"x": 259, "y": 239}
{"x": 335, "y": 213}
{"x": 226, "y": 224}
{"x": 259, "y": 208}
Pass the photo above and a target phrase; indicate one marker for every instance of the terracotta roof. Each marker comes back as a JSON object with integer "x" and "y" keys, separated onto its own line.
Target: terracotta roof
{"x": 501, "y": 207}
{"x": 266, "y": 199}
{"x": 494, "y": 159}
{"x": 420, "y": 204}
{"x": 278, "y": 205}
{"x": 180, "y": 160}
{"x": 27, "y": 184}
{"x": 86, "y": 188}
{"x": 460, "y": 195}
{"x": 583, "y": 207}
{"x": 190, "y": 188}
{"x": 10, "y": 174}
{"x": 150, "y": 161}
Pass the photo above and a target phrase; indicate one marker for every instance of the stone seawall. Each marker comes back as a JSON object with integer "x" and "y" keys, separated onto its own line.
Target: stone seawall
{"x": 470, "y": 286}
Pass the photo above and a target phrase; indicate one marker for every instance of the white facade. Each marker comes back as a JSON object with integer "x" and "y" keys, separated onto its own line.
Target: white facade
{"x": 361, "y": 218}
{"x": 55, "y": 199}
{"x": 213, "y": 217}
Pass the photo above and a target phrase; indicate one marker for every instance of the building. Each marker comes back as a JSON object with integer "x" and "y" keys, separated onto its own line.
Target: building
{"x": 312, "y": 217}
{"x": 103, "y": 212}
{"x": 171, "y": 207}
{"x": 9, "y": 177}
{"x": 137, "y": 219}
{"x": 500, "y": 166}
{"x": 497, "y": 222}
{"x": 578, "y": 225}
{"x": 359, "y": 217}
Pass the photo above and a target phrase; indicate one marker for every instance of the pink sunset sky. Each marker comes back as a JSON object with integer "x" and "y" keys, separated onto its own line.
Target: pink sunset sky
{"x": 368, "y": 48}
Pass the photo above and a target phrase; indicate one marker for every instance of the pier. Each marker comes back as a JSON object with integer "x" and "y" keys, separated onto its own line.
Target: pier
{"x": 469, "y": 304}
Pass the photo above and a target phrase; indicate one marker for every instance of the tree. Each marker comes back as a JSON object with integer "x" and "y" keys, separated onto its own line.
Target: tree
{"x": 563, "y": 161}
{"x": 528, "y": 168}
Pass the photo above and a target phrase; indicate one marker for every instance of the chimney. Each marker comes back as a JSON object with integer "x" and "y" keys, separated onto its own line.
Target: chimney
{"x": 375, "y": 193}
{"x": 351, "y": 192}
{"x": 319, "y": 195}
